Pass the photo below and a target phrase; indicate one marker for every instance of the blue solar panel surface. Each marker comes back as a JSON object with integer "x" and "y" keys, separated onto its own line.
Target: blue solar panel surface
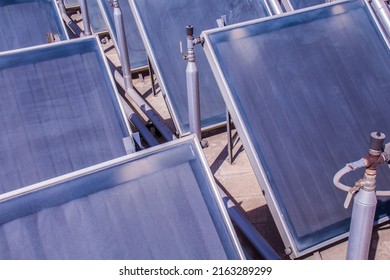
{"x": 24, "y": 23}
{"x": 157, "y": 206}
{"x": 137, "y": 53}
{"x": 163, "y": 23}
{"x": 309, "y": 89}
{"x": 98, "y": 24}
{"x": 58, "y": 113}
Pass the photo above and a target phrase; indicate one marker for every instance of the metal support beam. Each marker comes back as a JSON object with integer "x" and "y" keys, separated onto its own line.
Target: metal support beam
{"x": 134, "y": 96}
{"x": 151, "y": 73}
{"x": 246, "y": 227}
{"x": 229, "y": 137}
{"x": 139, "y": 124}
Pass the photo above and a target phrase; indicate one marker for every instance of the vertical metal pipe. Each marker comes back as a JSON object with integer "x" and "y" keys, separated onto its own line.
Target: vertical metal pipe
{"x": 383, "y": 13}
{"x": 193, "y": 86}
{"x": 275, "y": 7}
{"x": 122, "y": 45}
{"x": 363, "y": 213}
{"x": 287, "y": 5}
{"x": 85, "y": 14}
{"x": 61, "y": 6}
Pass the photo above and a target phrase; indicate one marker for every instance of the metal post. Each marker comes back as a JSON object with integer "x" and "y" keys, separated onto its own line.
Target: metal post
{"x": 122, "y": 45}
{"x": 383, "y": 13}
{"x": 229, "y": 136}
{"x": 61, "y": 6}
{"x": 151, "y": 73}
{"x": 275, "y": 7}
{"x": 85, "y": 14}
{"x": 193, "y": 86}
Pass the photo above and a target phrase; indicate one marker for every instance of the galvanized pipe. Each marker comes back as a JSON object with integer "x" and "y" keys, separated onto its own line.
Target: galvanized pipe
{"x": 246, "y": 227}
{"x": 61, "y": 6}
{"x": 287, "y": 5}
{"x": 139, "y": 124}
{"x": 72, "y": 25}
{"x": 383, "y": 13}
{"x": 193, "y": 86}
{"x": 122, "y": 45}
{"x": 85, "y": 14}
{"x": 275, "y": 7}
{"x": 162, "y": 128}
{"x": 363, "y": 214}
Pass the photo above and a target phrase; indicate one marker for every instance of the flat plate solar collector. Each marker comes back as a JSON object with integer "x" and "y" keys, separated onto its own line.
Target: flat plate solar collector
{"x": 59, "y": 112}
{"x": 162, "y": 26}
{"x": 161, "y": 203}
{"x": 24, "y": 23}
{"x": 305, "y": 91}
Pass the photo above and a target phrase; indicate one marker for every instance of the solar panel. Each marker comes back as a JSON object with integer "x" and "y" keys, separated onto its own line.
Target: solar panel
{"x": 58, "y": 112}
{"x": 305, "y": 91}
{"x": 25, "y": 23}
{"x": 162, "y": 26}
{"x": 161, "y": 203}
{"x": 136, "y": 49}
{"x": 98, "y": 24}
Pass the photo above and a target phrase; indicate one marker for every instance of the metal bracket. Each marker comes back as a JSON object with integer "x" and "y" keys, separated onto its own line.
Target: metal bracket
{"x": 129, "y": 144}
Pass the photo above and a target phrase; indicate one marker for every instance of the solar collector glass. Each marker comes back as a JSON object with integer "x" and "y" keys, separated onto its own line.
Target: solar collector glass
{"x": 58, "y": 113}
{"x": 155, "y": 205}
{"x": 162, "y": 25}
{"x": 24, "y": 23}
{"x": 312, "y": 92}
